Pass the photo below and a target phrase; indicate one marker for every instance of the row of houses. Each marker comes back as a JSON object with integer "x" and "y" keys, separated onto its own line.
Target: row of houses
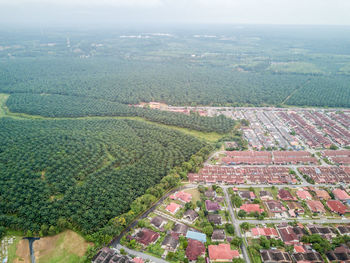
{"x": 266, "y": 158}
{"x": 241, "y": 175}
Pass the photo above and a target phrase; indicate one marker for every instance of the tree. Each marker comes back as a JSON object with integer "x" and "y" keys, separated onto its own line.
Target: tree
{"x": 245, "y": 226}
{"x": 237, "y": 241}
{"x": 264, "y": 242}
{"x": 333, "y": 147}
{"x": 242, "y": 213}
{"x": 229, "y": 228}
{"x": 237, "y": 201}
{"x": 208, "y": 230}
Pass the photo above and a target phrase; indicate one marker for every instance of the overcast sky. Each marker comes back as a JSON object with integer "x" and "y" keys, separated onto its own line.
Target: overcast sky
{"x": 65, "y": 12}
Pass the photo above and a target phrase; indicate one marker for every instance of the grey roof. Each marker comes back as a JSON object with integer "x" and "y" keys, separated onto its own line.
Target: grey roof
{"x": 180, "y": 228}
{"x": 170, "y": 241}
{"x": 157, "y": 221}
{"x": 191, "y": 214}
{"x": 218, "y": 234}
{"x": 213, "y": 218}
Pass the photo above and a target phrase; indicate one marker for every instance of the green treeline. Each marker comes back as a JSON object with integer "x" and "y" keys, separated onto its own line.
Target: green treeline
{"x": 68, "y": 106}
{"x": 82, "y": 173}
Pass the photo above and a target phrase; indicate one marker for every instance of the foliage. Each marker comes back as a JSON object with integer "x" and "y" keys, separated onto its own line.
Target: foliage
{"x": 230, "y": 229}
{"x": 320, "y": 244}
{"x": 69, "y": 106}
{"x": 82, "y": 173}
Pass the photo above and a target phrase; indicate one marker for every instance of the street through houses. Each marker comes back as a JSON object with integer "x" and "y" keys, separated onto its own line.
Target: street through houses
{"x": 236, "y": 226}
{"x": 235, "y": 220}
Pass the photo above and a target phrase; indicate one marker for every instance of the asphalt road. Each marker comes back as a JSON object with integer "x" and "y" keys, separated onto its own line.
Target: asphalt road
{"x": 236, "y": 226}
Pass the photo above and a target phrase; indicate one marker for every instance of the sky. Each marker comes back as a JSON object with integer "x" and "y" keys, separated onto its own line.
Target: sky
{"x": 89, "y": 12}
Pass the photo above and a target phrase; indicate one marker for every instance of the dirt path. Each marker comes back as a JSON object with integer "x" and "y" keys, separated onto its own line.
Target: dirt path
{"x": 22, "y": 252}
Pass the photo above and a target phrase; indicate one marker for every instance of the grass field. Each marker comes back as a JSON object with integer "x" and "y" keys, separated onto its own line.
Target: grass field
{"x": 66, "y": 247}
{"x": 195, "y": 194}
{"x": 3, "y": 98}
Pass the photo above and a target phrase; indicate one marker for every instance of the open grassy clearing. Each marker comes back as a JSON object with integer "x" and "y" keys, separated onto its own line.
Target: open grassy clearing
{"x": 3, "y": 99}
{"x": 195, "y": 194}
{"x": 19, "y": 251}
{"x": 66, "y": 247}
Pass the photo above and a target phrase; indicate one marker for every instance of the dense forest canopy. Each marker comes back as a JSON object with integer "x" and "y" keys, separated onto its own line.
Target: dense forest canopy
{"x": 83, "y": 172}
{"x": 249, "y": 65}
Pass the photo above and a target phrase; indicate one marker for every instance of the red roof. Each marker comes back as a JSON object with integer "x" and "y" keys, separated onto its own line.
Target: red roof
{"x": 251, "y": 208}
{"x": 302, "y": 194}
{"x": 341, "y": 194}
{"x": 146, "y": 236}
{"x": 322, "y": 194}
{"x": 337, "y": 206}
{"x": 267, "y": 231}
{"x": 316, "y": 206}
{"x": 173, "y": 207}
{"x": 299, "y": 249}
{"x": 138, "y": 260}
{"x": 183, "y": 196}
{"x": 222, "y": 252}
{"x": 285, "y": 195}
{"x": 194, "y": 249}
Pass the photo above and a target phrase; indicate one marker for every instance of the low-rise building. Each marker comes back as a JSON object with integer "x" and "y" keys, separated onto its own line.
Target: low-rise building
{"x": 158, "y": 222}
{"x": 337, "y": 207}
{"x": 222, "y": 253}
{"x": 265, "y": 195}
{"x": 296, "y": 207}
{"x": 316, "y": 206}
{"x": 194, "y": 250}
{"x": 344, "y": 230}
{"x": 218, "y": 235}
{"x": 146, "y": 236}
{"x": 247, "y": 195}
{"x": 190, "y": 216}
{"x": 304, "y": 195}
{"x": 322, "y": 194}
{"x": 285, "y": 195}
{"x": 324, "y": 231}
{"x": 275, "y": 256}
{"x": 170, "y": 243}
{"x": 182, "y": 196}
{"x": 268, "y": 232}
{"x": 251, "y": 208}
{"x": 196, "y": 236}
{"x": 173, "y": 208}
{"x": 276, "y": 208}
{"x": 339, "y": 254}
{"x": 215, "y": 219}
{"x": 211, "y": 206}
{"x": 341, "y": 195}
{"x": 180, "y": 229}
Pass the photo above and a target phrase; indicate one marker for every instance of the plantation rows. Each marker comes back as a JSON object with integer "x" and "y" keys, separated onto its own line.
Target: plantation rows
{"x": 126, "y": 81}
{"x": 67, "y": 106}
{"x": 81, "y": 173}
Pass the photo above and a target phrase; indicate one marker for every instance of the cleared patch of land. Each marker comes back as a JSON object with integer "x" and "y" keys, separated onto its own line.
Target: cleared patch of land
{"x": 295, "y": 67}
{"x": 3, "y": 99}
{"x": 66, "y": 247}
{"x": 19, "y": 253}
